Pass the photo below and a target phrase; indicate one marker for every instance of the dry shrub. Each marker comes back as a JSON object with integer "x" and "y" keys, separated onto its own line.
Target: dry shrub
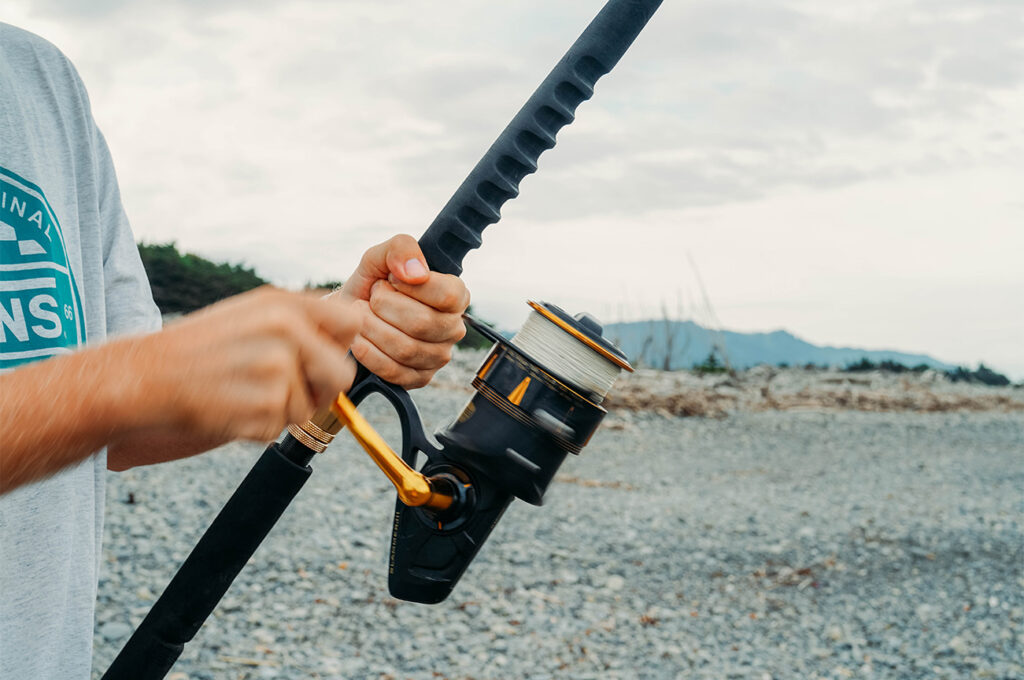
{"x": 711, "y": 402}
{"x": 701, "y": 403}
{"x": 922, "y": 401}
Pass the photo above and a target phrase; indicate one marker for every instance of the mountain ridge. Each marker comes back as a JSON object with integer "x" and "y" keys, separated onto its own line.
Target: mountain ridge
{"x": 685, "y": 343}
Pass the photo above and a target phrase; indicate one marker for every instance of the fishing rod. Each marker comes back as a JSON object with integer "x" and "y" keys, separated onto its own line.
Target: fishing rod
{"x": 537, "y": 398}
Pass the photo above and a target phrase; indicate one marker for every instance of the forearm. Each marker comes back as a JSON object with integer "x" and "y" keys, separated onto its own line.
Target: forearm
{"x": 160, "y": 445}
{"x": 241, "y": 368}
{"x": 157, "y": 445}
{"x": 56, "y": 412}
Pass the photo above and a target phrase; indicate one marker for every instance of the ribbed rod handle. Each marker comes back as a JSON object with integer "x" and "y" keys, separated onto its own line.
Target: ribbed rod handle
{"x": 477, "y": 202}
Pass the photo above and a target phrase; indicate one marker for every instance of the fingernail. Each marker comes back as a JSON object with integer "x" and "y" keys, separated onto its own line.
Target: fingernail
{"x": 415, "y": 268}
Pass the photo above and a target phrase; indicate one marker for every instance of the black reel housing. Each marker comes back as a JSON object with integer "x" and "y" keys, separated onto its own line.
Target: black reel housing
{"x": 508, "y": 442}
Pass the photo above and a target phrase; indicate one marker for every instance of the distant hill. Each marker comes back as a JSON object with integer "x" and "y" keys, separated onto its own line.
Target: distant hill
{"x": 646, "y": 343}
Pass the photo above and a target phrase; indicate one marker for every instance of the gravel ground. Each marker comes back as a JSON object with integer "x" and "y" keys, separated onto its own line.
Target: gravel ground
{"x": 775, "y": 544}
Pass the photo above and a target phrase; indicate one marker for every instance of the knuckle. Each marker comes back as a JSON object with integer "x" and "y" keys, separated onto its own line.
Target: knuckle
{"x": 361, "y": 351}
{"x": 279, "y": 318}
{"x": 278, "y": 363}
{"x": 450, "y": 301}
{"x": 407, "y": 351}
{"x": 392, "y": 372}
{"x": 361, "y": 310}
{"x": 370, "y": 254}
{"x": 438, "y": 355}
{"x": 419, "y": 326}
{"x": 274, "y": 296}
{"x": 265, "y": 367}
{"x": 377, "y": 298}
{"x": 435, "y": 360}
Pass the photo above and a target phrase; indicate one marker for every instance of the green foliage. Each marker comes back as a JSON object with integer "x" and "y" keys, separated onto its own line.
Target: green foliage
{"x": 186, "y": 282}
{"x": 331, "y": 285}
{"x": 710, "y": 365}
{"x": 983, "y": 375}
{"x": 886, "y": 366}
{"x": 861, "y": 366}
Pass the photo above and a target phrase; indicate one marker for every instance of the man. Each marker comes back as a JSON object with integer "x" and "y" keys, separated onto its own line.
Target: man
{"x": 70, "y": 276}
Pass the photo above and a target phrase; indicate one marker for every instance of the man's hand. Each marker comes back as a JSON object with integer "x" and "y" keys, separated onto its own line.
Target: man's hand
{"x": 411, "y": 316}
{"x": 242, "y": 368}
{"x": 246, "y": 367}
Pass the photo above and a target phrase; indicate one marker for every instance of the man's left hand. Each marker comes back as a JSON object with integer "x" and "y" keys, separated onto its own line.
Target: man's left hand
{"x": 412, "y": 317}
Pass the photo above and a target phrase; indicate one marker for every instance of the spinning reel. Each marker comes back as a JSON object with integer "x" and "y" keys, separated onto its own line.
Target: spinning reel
{"x": 527, "y": 414}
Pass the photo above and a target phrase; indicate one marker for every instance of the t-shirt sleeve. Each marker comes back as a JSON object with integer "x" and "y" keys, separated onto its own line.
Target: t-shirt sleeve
{"x": 129, "y": 299}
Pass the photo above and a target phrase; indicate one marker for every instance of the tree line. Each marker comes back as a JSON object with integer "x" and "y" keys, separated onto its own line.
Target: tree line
{"x": 184, "y": 282}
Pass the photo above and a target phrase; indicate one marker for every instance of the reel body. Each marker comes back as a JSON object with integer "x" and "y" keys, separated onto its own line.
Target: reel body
{"x": 508, "y": 442}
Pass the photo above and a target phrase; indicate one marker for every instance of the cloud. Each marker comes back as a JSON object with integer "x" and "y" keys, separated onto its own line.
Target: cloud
{"x": 105, "y": 10}
{"x": 295, "y": 134}
{"x": 719, "y": 101}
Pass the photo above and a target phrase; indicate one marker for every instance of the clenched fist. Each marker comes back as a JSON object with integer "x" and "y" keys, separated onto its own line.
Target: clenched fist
{"x": 411, "y": 317}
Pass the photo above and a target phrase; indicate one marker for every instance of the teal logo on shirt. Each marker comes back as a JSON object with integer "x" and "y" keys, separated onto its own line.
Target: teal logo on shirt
{"x": 40, "y": 309}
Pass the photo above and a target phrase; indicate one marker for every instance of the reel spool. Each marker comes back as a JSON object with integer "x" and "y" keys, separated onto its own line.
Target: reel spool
{"x": 537, "y": 400}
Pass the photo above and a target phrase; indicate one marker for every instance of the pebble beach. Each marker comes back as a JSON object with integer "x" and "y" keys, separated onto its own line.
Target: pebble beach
{"x": 800, "y": 527}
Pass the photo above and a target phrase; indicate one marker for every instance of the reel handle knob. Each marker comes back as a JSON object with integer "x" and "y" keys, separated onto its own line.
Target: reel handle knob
{"x": 414, "y": 489}
{"x": 588, "y": 321}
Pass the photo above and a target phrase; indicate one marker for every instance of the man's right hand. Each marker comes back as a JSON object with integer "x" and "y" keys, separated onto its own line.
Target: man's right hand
{"x": 247, "y": 366}
{"x": 240, "y": 369}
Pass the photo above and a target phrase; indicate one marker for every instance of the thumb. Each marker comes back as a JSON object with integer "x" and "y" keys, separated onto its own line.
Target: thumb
{"x": 400, "y": 256}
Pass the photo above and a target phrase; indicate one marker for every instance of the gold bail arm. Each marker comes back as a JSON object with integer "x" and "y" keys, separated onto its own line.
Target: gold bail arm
{"x": 413, "y": 488}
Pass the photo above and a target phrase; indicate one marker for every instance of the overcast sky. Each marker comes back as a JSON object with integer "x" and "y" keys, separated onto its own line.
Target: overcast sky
{"x": 851, "y": 172}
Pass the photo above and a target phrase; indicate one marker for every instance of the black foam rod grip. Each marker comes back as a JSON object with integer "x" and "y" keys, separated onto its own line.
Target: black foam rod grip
{"x": 208, "y": 571}
{"x": 495, "y": 179}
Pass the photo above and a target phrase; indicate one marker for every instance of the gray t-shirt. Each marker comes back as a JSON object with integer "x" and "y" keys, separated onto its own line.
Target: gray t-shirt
{"x": 70, "y": 274}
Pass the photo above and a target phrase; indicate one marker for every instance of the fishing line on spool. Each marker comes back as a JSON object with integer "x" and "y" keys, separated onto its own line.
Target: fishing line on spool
{"x": 551, "y": 346}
